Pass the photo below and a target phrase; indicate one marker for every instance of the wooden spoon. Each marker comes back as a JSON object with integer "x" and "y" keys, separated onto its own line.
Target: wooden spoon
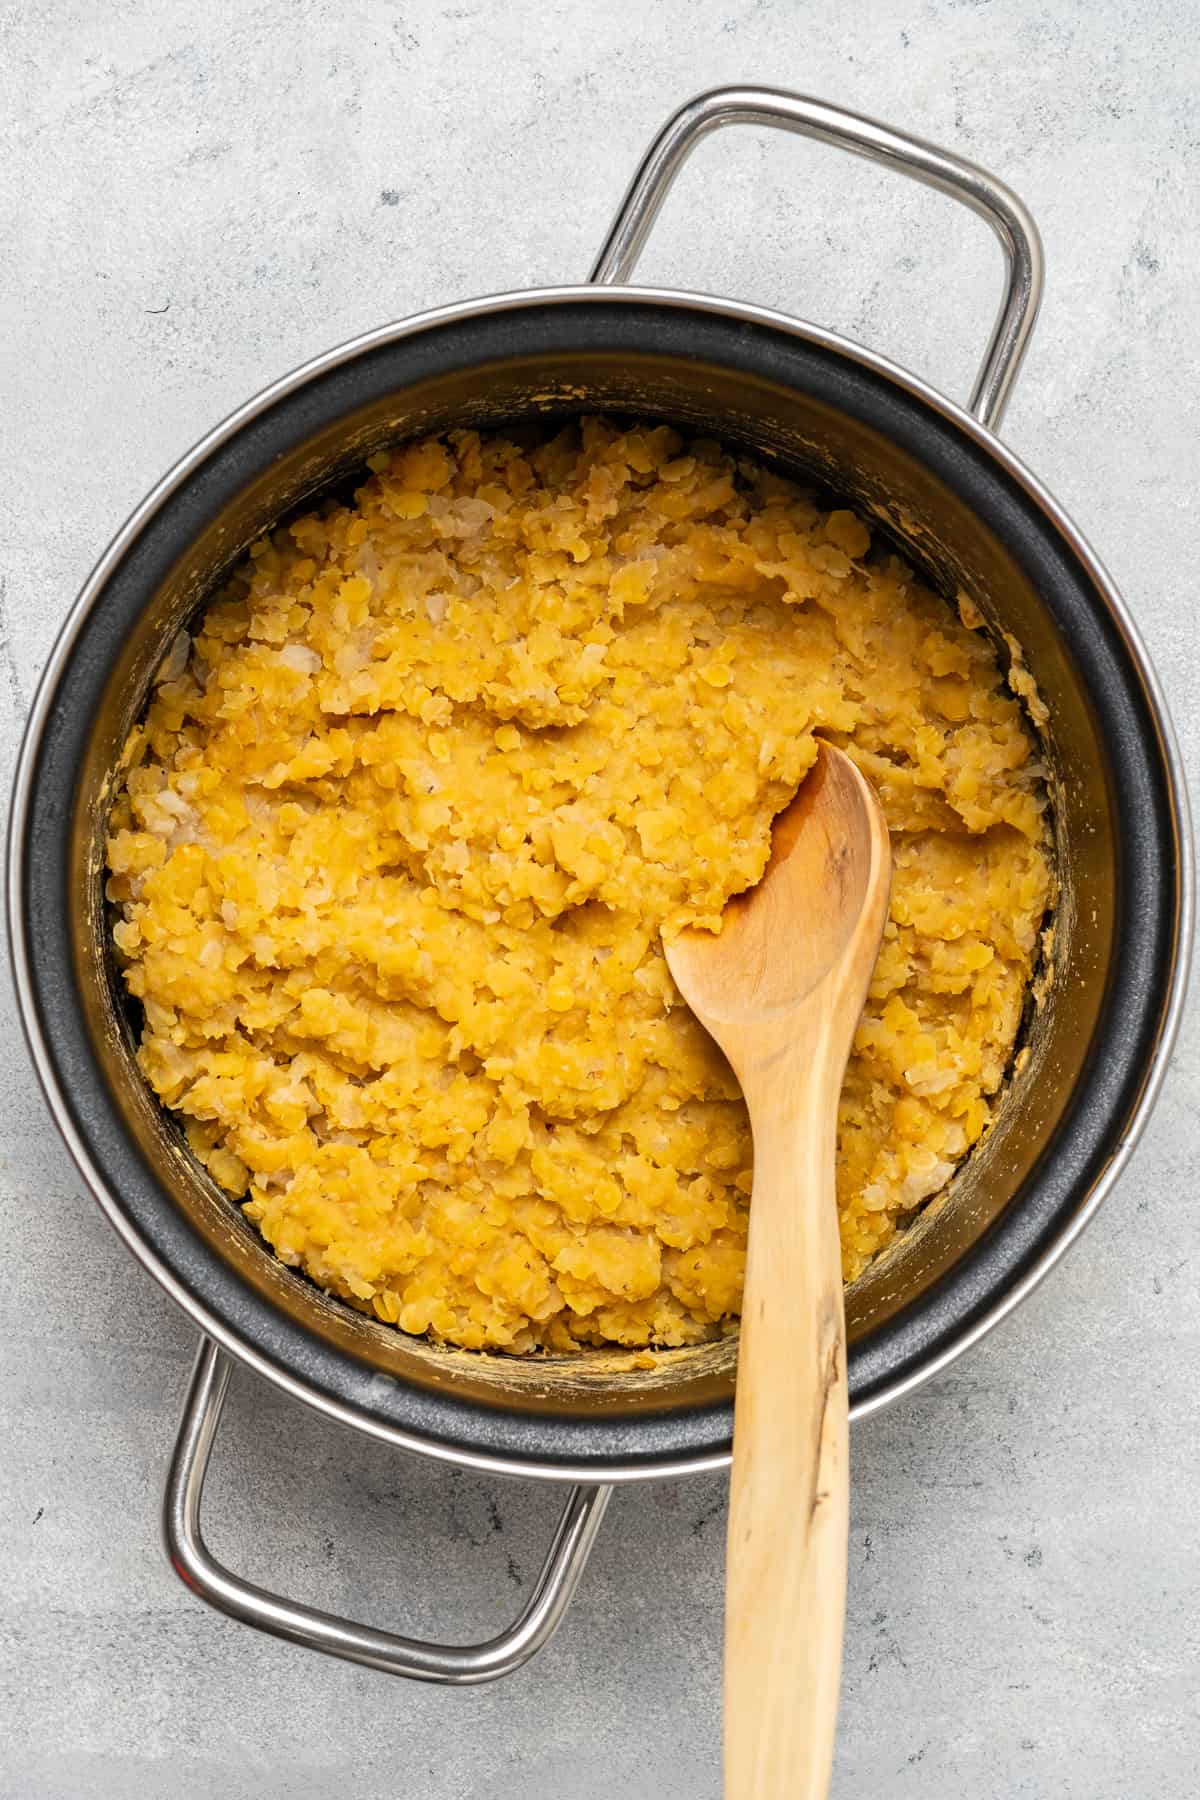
{"x": 781, "y": 989}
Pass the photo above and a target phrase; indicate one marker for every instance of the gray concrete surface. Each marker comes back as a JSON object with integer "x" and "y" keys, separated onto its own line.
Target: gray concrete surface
{"x": 193, "y": 198}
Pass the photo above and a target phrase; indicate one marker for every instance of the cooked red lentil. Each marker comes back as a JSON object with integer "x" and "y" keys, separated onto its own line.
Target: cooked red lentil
{"x": 409, "y": 816}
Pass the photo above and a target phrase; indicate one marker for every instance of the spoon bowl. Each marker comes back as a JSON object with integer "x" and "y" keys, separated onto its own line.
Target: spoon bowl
{"x": 783, "y": 936}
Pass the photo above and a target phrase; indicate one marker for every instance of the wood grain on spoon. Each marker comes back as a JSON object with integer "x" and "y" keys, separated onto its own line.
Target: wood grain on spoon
{"x": 781, "y": 990}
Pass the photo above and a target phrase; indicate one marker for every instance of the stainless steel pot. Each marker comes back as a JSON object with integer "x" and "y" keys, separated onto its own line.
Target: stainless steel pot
{"x": 966, "y": 512}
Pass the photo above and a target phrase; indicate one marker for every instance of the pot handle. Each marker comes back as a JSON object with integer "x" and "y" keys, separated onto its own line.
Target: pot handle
{"x": 449, "y": 1664}
{"x": 862, "y": 136}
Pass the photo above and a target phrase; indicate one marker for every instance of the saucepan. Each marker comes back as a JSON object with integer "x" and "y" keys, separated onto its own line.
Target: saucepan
{"x": 967, "y": 513}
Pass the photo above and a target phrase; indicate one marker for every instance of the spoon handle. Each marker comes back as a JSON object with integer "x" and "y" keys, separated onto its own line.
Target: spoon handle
{"x": 789, "y": 1498}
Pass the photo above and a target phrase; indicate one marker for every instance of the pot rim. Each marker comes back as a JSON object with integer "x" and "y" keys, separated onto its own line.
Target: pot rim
{"x": 249, "y": 1354}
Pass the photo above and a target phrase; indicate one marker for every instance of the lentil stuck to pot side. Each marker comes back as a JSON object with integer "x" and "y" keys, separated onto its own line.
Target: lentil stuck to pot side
{"x": 397, "y": 842}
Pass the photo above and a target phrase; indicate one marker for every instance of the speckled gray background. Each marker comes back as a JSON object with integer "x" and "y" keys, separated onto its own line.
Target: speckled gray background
{"x": 192, "y": 199}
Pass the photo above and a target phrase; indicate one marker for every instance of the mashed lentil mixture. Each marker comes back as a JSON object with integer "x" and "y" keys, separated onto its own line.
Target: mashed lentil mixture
{"x": 409, "y": 815}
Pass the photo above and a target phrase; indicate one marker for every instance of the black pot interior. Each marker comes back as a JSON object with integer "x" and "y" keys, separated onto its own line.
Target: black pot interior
{"x": 968, "y": 524}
